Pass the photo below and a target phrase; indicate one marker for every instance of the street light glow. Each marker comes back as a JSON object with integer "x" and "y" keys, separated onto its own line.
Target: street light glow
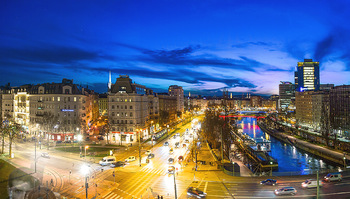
{"x": 84, "y": 169}
{"x": 80, "y": 137}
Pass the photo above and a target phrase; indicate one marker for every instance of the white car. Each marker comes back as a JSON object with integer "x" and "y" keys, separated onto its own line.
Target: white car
{"x": 310, "y": 183}
{"x": 130, "y": 159}
{"x": 45, "y": 155}
{"x": 148, "y": 152}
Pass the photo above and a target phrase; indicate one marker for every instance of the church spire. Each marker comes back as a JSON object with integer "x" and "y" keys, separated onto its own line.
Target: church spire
{"x": 110, "y": 81}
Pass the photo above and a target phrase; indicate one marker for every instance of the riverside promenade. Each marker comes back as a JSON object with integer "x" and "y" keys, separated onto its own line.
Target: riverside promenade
{"x": 335, "y": 156}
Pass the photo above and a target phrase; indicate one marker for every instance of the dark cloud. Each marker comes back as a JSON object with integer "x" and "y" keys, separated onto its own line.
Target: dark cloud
{"x": 48, "y": 54}
{"x": 246, "y": 44}
{"x": 185, "y": 57}
{"x": 295, "y": 51}
{"x": 324, "y": 48}
{"x": 173, "y": 54}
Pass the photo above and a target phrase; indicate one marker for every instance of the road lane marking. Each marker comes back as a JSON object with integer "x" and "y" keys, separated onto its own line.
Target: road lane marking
{"x": 205, "y": 187}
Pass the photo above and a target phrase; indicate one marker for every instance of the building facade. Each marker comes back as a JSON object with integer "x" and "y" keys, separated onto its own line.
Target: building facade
{"x": 57, "y": 111}
{"x": 286, "y": 95}
{"x": 255, "y": 101}
{"x": 307, "y": 76}
{"x": 131, "y": 108}
{"x": 340, "y": 109}
{"x": 303, "y": 101}
{"x": 177, "y": 91}
{"x": 167, "y": 108}
{"x": 103, "y": 104}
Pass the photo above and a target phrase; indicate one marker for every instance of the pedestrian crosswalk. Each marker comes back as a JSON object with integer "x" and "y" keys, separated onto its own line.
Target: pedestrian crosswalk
{"x": 154, "y": 171}
{"x": 112, "y": 195}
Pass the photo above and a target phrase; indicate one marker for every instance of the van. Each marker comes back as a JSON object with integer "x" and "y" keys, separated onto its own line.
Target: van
{"x": 311, "y": 183}
{"x": 333, "y": 177}
{"x": 107, "y": 160}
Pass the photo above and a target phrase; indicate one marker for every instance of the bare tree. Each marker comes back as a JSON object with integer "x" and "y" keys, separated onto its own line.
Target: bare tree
{"x": 14, "y": 130}
{"x": 48, "y": 123}
{"x": 4, "y": 128}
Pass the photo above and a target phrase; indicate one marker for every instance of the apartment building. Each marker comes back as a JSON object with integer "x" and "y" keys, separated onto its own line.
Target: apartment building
{"x": 132, "y": 109}
{"x": 178, "y": 92}
{"x": 57, "y": 110}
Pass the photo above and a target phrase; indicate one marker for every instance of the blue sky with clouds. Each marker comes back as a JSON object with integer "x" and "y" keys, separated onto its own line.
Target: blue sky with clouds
{"x": 202, "y": 45}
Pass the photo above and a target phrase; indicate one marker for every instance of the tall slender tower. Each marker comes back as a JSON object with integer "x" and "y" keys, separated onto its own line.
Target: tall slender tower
{"x": 110, "y": 81}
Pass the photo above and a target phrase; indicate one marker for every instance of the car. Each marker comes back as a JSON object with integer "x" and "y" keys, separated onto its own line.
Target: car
{"x": 166, "y": 143}
{"x": 311, "y": 183}
{"x": 180, "y": 158}
{"x": 177, "y": 134}
{"x": 171, "y": 151}
{"x": 333, "y": 177}
{"x": 100, "y": 138}
{"x": 174, "y": 136}
{"x": 130, "y": 159}
{"x": 192, "y": 191}
{"x": 45, "y": 155}
{"x": 118, "y": 164}
{"x": 107, "y": 160}
{"x": 171, "y": 160}
{"x": 286, "y": 191}
{"x": 171, "y": 169}
{"x": 150, "y": 156}
{"x": 184, "y": 145}
{"x": 269, "y": 182}
{"x": 148, "y": 152}
{"x": 187, "y": 141}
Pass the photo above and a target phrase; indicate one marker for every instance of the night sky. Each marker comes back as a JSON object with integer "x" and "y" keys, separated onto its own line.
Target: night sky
{"x": 202, "y": 45}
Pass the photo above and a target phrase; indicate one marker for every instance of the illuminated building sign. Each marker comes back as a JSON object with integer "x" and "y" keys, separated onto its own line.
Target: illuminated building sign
{"x": 67, "y": 110}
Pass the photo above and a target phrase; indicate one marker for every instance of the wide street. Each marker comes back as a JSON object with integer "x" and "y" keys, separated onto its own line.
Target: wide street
{"x": 152, "y": 179}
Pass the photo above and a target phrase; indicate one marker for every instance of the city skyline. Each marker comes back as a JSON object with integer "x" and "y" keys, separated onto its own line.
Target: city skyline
{"x": 203, "y": 47}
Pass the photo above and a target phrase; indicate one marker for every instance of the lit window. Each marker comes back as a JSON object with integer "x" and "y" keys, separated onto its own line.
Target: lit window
{"x": 58, "y": 98}
{"x": 75, "y": 99}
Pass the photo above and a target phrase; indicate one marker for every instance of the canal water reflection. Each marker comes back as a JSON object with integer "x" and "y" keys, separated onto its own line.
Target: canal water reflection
{"x": 290, "y": 159}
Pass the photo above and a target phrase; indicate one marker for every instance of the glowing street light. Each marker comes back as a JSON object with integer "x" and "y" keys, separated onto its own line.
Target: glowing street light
{"x": 86, "y": 147}
{"x": 80, "y": 137}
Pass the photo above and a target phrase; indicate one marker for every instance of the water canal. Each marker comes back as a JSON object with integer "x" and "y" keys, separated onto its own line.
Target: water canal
{"x": 291, "y": 160}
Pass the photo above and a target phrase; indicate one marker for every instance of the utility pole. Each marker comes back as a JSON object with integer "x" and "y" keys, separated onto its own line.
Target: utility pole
{"x": 86, "y": 186}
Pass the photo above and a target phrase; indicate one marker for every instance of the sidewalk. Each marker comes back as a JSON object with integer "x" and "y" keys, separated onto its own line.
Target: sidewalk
{"x": 309, "y": 146}
{"x": 208, "y": 155}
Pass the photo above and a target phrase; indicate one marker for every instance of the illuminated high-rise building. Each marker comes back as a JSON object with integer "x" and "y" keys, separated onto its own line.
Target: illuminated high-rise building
{"x": 307, "y": 76}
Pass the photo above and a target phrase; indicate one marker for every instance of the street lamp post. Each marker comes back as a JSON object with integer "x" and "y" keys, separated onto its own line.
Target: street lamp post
{"x": 175, "y": 185}
{"x": 35, "y": 157}
{"x": 80, "y": 138}
{"x": 86, "y": 147}
{"x": 139, "y": 132}
{"x": 85, "y": 171}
